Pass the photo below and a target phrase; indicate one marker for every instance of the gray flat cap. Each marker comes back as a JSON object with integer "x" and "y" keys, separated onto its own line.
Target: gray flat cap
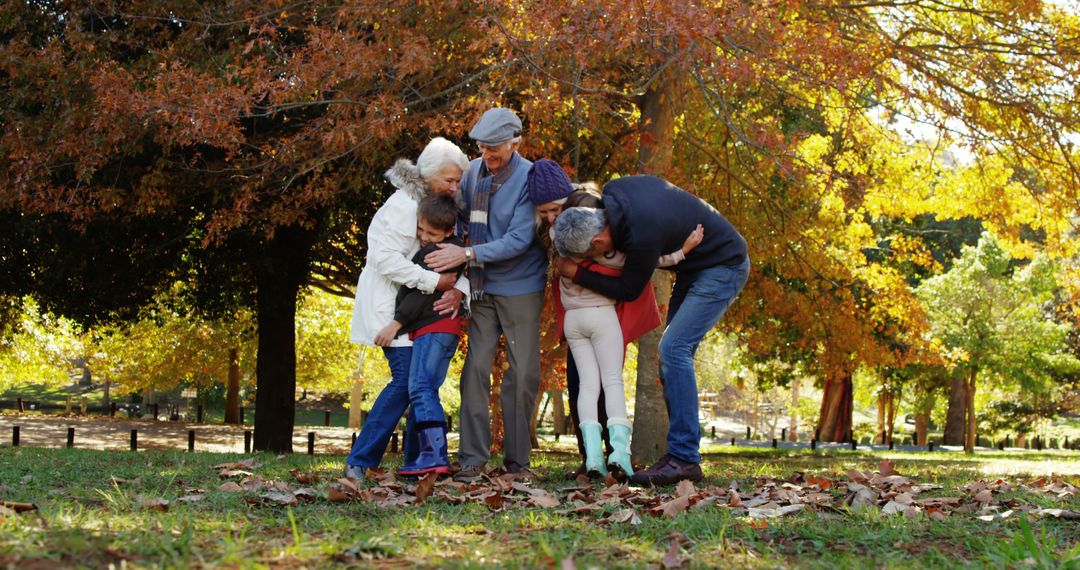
{"x": 495, "y": 126}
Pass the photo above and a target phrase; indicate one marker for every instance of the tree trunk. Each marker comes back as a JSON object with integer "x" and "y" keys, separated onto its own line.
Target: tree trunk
{"x": 657, "y": 142}
{"x": 106, "y": 400}
{"x": 232, "y": 388}
{"x": 882, "y": 404}
{"x": 281, "y": 268}
{"x": 650, "y": 410}
{"x": 969, "y": 405}
{"x": 834, "y": 420}
{"x": 534, "y": 440}
{"x": 922, "y": 420}
{"x": 793, "y": 423}
{"x": 954, "y": 418}
{"x": 558, "y": 412}
{"x": 894, "y": 403}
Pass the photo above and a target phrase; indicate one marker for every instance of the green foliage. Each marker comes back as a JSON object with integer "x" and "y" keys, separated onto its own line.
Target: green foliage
{"x": 37, "y": 347}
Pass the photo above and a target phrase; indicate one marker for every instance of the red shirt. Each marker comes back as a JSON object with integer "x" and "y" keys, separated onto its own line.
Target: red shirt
{"x": 447, "y": 325}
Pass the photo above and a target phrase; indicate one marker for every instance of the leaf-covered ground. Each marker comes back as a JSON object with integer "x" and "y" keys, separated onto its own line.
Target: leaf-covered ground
{"x": 755, "y": 509}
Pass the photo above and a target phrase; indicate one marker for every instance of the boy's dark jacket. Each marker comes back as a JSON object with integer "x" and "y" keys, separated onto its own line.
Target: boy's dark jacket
{"x": 413, "y": 309}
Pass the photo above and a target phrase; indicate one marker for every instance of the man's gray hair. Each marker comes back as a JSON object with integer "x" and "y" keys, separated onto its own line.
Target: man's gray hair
{"x": 575, "y": 229}
{"x": 439, "y": 153}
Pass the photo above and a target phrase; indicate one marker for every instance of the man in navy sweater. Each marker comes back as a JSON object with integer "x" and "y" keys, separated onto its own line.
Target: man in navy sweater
{"x": 645, "y": 217}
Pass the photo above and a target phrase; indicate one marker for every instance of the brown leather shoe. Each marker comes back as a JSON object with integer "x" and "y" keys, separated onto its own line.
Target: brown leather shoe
{"x": 668, "y": 471}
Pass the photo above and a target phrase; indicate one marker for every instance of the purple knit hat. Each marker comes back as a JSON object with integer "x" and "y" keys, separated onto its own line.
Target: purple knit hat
{"x": 548, "y": 182}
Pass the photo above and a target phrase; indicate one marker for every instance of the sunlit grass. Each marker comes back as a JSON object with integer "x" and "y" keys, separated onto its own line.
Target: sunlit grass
{"x": 88, "y": 518}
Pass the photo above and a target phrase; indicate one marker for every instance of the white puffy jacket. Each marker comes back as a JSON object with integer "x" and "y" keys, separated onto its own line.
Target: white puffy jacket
{"x": 391, "y": 243}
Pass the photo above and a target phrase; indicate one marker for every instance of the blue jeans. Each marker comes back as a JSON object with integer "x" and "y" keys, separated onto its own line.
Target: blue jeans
{"x": 385, "y": 413}
{"x": 430, "y": 360}
{"x": 698, "y": 301}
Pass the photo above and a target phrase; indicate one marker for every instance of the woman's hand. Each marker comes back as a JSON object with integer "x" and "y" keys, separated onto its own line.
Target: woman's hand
{"x": 449, "y": 303}
{"x": 567, "y": 267}
{"x": 447, "y": 257}
{"x": 387, "y": 334}
{"x": 694, "y": 239}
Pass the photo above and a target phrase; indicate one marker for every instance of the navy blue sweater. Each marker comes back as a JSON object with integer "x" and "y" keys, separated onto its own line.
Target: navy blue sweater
{"x": 649, "y": 217}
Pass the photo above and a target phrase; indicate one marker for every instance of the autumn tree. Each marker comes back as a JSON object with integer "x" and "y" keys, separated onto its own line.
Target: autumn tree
{"x": 258, "y": 126}
{"x": 994, "y": 323}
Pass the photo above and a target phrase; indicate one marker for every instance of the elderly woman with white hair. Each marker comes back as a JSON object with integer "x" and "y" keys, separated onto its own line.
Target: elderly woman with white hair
{"x": 391, "y": 243}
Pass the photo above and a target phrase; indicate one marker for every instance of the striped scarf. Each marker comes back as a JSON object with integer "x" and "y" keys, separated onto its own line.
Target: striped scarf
{"x": 486, "y": 187}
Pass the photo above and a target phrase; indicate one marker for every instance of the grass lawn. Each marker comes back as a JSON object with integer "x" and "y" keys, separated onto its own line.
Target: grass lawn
{"x": 97, "y": 508}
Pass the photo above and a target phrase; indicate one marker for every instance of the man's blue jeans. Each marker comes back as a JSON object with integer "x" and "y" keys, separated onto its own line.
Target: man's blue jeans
{"x": 385, "y": 413}
{"x": 698, "y": 301}
{"x": 430, "y": 360}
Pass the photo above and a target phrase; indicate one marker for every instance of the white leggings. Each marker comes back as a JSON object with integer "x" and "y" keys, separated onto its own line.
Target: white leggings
{"x": 595, "y": 340}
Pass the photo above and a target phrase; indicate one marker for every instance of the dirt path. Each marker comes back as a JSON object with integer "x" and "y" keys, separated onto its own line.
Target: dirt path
{"x": 111, "y": 433}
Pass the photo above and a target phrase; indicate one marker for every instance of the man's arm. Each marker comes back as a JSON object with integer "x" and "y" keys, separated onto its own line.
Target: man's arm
{"x": 639, "y": 267}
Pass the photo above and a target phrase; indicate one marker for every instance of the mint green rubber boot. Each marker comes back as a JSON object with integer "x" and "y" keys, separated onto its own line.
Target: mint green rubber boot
{"x": 619, "y": 434}
{"x": 594, "y": 448}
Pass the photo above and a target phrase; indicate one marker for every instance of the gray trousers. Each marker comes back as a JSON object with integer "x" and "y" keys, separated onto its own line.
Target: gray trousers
{"x": 518, "y": 318}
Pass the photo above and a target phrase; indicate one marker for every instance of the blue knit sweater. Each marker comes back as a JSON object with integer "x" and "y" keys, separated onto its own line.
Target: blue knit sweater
{"x": 514, "y": 263}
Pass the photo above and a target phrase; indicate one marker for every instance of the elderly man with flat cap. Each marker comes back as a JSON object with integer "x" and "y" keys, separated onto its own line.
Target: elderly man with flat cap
{"x": 507, "y": 270}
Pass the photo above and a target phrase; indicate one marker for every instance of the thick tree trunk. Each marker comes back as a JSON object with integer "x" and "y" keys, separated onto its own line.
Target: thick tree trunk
{"x": 922, "y": 420}
{"x": 969, "y": 406}
{"x": 281, "y": 268}
{"x": 954, "y": 418}
{"x": 649, "y": 441}
{"x": 232, "y": 388}
{"x": 834, "y": 420}
{"x": 558, "y": 412}
{"x": 650, "y": 410}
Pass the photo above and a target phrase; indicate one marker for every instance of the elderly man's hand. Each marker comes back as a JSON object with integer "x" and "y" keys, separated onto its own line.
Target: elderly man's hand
{"x": 449, "y": 303}
{"x": 447, "y": 257}
{"x": 567, "y": 267}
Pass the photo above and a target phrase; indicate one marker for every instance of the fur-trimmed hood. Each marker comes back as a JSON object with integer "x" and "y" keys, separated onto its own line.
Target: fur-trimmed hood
{"x": 404, "y": 175}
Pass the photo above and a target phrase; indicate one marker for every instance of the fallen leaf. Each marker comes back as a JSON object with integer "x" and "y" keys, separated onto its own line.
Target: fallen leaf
{"x": 494, "y": 501}
{"x": 626, "y": 516}
{"x": 192, "y": 498}
{"x": 19, "y": 507}
{"x": 984, "y": 496}
{"x": 568, "y": 564}
{"x": 893, "y": 507}
{"x": 581, "y": 509}
{"x": 886, "y": 468}
{"x": 227, "y": 473}
{"x": 674, "y": 558}
{"x": 674, "y": 506}
{"x": 284, "y": 499}
{"x": 335, "y": 494}
{"x": 120, "y": 481}
{"x": 425, "y": 486}
{"x": 230, "y": 486}
{"x": 685, "y": 488}
{"x": 733, "y": 499}
{"x": 857, "y": 476}
{"x": 153, "y": 504}
{"x": 304, "y": 478}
